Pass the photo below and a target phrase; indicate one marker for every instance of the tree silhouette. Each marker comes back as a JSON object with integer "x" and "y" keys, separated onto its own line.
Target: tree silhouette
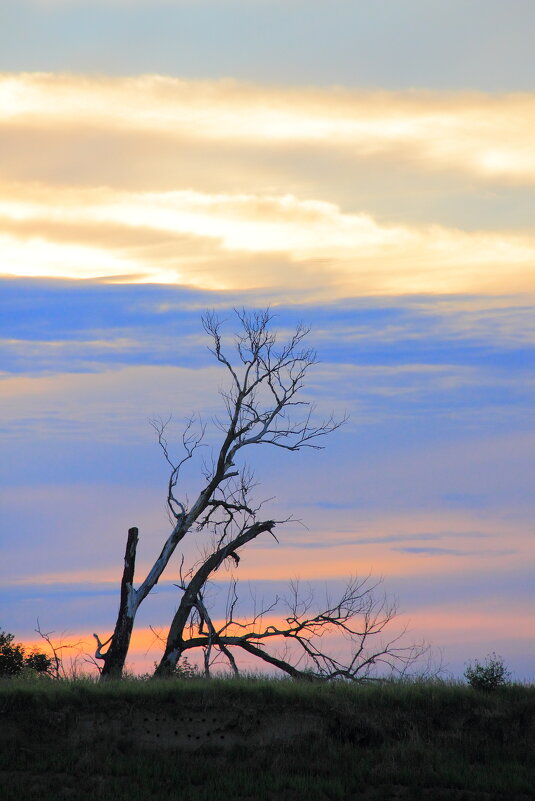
{"x": 263, "y": 407}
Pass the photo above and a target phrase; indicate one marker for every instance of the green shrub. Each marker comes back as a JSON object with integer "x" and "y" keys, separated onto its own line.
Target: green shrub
{"x": 11, "y": 655}
{"x": 487, "y": 676}
{"x": 38, "y": 662}
{"x": 13, "y": 660}
{"x": 185, "y": 670}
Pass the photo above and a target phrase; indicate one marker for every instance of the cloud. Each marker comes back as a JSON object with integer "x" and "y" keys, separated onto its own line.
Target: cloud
{"x": 69, "y": 348}
{"x": 225, "y": 186}
{"x": 73, "y": 404}
{"x": 483, "y": 135}
{"x": 431, "y": 551}
{"x": 409, "y": 334}
{"x": 335, "y": 542}
{"x": 333, "y": 253}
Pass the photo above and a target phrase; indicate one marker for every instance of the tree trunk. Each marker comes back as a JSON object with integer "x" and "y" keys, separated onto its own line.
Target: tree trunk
{"x": 115, "y": 656}
{"x": 174, "y": 646}
{"x": 168, "y": 663}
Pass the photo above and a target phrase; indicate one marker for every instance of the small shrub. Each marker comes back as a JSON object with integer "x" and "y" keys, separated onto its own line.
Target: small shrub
{"x": 185, "y": 670}
{"x": 487, "y": 676}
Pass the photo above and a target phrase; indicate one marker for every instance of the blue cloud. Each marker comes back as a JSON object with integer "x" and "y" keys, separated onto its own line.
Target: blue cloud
{"x": 432, "y": 551}
{"x": 335, "y": 542}
{"x": 71, "y": 325}
{"x": 463, "y": 500}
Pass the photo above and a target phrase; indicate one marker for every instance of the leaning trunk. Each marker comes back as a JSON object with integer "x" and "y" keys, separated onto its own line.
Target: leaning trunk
{"x": 175, "y": 641}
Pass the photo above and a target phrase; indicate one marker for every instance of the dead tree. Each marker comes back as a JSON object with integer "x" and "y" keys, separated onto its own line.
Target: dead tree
{"x": 262, "y": 408}
{"x": 360, "y": 616}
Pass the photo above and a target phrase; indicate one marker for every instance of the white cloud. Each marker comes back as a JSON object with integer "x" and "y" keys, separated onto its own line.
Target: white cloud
{"x": 487, "y": 136}
{"x": 214, "y": 213}
{"x": 343, "y": 253}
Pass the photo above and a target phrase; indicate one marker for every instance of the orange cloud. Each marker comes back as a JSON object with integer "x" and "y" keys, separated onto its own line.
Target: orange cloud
{"x": 222, "y": 204}
{"x": 484, "y": 135}
{"x": 347, "y": 254}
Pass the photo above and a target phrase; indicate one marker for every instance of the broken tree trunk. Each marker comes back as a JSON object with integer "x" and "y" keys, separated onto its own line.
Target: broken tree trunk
{"x": 115, "y": 656}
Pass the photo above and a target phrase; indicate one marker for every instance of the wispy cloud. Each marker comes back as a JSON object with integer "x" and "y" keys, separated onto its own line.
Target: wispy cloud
{"x": 156, "y": 179}
{"x": 336, "y": 542}
{"x": 339, "y": 252}
{"x": 486, "y": 136}
{"x": 432, "y": 551}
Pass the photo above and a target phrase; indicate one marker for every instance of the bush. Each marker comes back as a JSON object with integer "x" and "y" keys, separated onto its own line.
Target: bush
{"x": 11, "y": 655}
{"x": 38, "y": 662}
{"x": 487, "y": 676}
{"x": 185, "y": 670}
{"x": 13, "y": 659}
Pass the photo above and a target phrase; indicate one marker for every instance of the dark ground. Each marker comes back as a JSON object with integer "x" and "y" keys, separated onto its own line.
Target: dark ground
{"x": 199, "y": 740}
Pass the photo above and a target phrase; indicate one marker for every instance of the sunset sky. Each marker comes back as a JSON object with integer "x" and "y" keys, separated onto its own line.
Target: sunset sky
{"x": 367, "y": 168}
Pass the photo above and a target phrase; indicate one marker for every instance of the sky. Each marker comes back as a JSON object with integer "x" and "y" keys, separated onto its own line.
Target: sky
{"x": 365, "y": 168}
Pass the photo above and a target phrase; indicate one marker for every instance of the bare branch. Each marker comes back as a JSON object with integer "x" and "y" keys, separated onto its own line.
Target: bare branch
{"x": 359, "y": 615}
{"x": 191, "y": 441}
{"x": 57, "y": 668}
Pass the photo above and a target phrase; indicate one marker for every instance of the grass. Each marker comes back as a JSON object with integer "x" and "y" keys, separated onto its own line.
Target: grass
{"x": 268, "y": 739}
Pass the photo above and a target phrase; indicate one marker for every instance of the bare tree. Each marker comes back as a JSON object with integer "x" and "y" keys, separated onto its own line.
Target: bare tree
{"x": 262, "y": 408}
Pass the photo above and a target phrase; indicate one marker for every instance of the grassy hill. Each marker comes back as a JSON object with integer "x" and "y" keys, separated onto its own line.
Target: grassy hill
{"x": 260, "y": 739}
